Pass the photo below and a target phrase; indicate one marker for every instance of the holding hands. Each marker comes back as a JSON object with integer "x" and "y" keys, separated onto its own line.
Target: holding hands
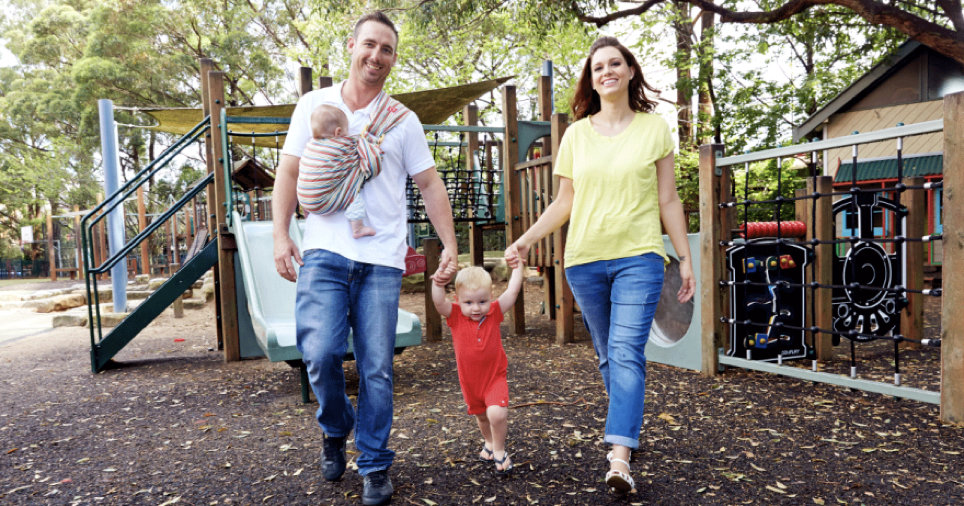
{"x": 448, "y": 265}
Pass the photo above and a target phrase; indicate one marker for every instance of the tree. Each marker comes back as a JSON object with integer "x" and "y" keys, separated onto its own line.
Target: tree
{"x": 938, "y": 24}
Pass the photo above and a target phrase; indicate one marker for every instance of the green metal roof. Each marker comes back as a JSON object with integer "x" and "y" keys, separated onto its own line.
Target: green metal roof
{"x": 927, "y": 165}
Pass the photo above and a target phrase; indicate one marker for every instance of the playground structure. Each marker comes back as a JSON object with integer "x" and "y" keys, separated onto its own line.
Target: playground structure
{"x": 845, "y": 281}
{"x": 249, "y": 323}
{"x": 521, "y": 186}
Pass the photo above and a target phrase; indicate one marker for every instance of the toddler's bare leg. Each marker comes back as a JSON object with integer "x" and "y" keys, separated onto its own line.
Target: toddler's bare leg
{"x": 498, "y": 417}
{"x": 486, "y": 431}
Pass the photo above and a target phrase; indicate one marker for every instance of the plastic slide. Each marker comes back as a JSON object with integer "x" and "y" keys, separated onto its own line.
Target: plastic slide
{"x": 271, "y": 299}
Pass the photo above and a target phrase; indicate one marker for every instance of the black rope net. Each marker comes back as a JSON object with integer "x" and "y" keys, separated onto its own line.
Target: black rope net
{"x": 770, "y": 297}
{"x": 474, "y": 189}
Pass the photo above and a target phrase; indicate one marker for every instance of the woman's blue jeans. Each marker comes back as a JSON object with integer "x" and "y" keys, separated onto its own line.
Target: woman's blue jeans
{"x": 334, "y": 295}
{"x": 618, "y": 300}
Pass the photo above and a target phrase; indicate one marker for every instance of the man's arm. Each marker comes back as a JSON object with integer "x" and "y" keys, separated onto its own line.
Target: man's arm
{"x": 284, "y": 199}
{"x": 439, "y": 211}
{"x": 511, "y": 293}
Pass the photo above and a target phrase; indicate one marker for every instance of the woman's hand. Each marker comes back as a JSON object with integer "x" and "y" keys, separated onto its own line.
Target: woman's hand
{"x": 515, "y": 254}
{"x": 688, "y": 282}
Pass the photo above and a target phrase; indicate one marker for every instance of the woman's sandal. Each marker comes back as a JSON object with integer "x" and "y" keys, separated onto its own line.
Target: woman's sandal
{"x": 506, "y": 469}
{"x": 617, "y": 480}
{"x": 487, "y": 451}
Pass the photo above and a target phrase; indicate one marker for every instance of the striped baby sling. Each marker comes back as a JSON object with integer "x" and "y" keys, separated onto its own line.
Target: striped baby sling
{"x": 333, "y": 170}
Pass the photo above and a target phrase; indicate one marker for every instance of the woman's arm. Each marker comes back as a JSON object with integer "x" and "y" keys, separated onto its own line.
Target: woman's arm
{"x": 674, "y": 222}
{"x": 552, "y": 218}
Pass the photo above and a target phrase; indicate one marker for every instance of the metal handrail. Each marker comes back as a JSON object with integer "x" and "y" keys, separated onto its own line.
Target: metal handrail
{"x": 155, "y": 224}
{"x": 837, "y": 142}
{"x": 119, "y": 196}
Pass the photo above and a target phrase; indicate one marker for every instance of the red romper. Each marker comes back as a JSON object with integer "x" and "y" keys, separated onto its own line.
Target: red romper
{"x": 480, "y": 358}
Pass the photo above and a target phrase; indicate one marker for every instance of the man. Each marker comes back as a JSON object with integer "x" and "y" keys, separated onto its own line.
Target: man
{"x": 355, "y": 283}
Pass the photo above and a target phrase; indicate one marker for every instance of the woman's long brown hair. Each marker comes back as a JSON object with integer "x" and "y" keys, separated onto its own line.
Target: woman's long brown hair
{"x": 585, "y": 100}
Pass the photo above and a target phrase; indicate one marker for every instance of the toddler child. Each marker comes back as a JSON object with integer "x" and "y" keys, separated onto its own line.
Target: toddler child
{"x": 329, "y": 121}
{"x": 474, "y": 318}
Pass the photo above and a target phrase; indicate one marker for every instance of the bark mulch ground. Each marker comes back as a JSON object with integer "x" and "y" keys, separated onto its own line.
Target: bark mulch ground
{"x": 174, "y": 424}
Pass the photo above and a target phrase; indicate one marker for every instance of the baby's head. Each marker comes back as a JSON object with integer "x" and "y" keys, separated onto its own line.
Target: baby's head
{"x": 328, "y": 121}
{"x": 473, "y": 292}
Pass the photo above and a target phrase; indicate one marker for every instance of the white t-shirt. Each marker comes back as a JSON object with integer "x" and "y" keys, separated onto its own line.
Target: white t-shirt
{"x": 406, "y": 154}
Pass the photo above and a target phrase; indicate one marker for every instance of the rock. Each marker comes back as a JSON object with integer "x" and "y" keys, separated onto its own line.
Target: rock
{"x": 194, "y": 303}
{"x": 207, "y": 291}
{"x": 155, "y": 283}
{"x": 414, "y": 283}
{"x": 500, "y": 271}
{"x": 142, "y": 279}
{"x": 40, "y": 306}
{"x": 138, "y": 294}
{"x": 65, "y": 302}
{"x": 111, "y": 319}
{"x": 536, "y": 280}
{"x": 69, "y": 320}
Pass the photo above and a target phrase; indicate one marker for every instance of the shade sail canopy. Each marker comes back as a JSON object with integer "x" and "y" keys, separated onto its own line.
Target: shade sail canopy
{"x": 431, "y": 106}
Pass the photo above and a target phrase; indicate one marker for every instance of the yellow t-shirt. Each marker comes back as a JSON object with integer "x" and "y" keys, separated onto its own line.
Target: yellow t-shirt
{"x": 615, "y": 209}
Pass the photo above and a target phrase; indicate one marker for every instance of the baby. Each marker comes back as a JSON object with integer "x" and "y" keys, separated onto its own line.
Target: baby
{"x": 329, "y": 121}
{"x": 474, "y": 318}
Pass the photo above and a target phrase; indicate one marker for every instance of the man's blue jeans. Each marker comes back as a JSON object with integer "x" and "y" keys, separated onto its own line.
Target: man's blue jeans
{"x": 618, "y": 299}
{"x": 334, "y": 295}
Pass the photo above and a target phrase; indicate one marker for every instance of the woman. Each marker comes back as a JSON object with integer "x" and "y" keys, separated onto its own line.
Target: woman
{"x": 616, "y": 185}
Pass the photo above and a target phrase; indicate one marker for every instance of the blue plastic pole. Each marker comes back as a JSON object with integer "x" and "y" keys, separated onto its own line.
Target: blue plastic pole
{"x": 115, "y": 220}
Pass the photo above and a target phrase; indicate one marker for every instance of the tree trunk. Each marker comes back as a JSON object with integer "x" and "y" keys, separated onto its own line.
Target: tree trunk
{"x": 684, "y": 77}
{"x": 704, "y": 125}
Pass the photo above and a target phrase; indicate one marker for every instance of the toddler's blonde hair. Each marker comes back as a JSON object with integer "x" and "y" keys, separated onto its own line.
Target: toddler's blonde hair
{"x": 472, "y": 278}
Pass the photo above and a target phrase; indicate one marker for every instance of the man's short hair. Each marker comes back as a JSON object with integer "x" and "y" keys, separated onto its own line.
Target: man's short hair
{"x": 378, "y": 17}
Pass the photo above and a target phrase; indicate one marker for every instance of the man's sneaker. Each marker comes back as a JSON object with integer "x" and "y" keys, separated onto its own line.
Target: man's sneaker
{"x": 333, "y": 458}
{"x": 377, "y": 488}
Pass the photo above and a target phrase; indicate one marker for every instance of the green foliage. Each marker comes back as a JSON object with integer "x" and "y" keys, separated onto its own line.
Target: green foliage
{"x": 763, "y": 181}
{"x": 822, "y": 52}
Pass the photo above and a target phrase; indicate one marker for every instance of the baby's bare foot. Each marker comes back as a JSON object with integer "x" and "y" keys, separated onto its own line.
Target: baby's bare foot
{"x": 363, "y": 232}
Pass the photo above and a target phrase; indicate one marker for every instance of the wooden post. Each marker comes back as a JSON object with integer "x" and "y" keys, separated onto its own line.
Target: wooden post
{"x": 801, "y": 207}
{"x": 172, "y": 243}
{"x": 912, "y": 316}
{"x": 823, "y": 266}
{"x": 476, "y": 247}
{"x": 141, "y": 225}
{"x": 178, "y": 307}
{"x": 547, "y": 254}
{"x": 207, "y": 66}
{"x": 510, "y": 188}
{"x": 714, "y": 187}
{"x": 51, "y": 254}
{"x": 80, "y": 250}
{"x": 952, "y": 325}
{"x": 304, "y": 80}
{"x": 325, "y": 81}
{"x": 102, "y": 242}
{"x": 226, "y": 244}
{"x": 432, "y": 248}
{"x": 563, "y": 294}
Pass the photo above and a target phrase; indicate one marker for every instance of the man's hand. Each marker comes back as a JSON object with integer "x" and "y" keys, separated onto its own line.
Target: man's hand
{"x": 284, "y": 251}
{"x": 448, "y": 265}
